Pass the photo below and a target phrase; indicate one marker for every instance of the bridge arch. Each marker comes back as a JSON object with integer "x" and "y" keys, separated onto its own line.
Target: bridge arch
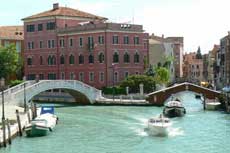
{"x": 90, "y": 94}
{"x": 160, "y": 96}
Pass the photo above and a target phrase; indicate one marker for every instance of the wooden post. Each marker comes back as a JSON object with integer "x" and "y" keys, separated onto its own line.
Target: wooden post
{"x": 4, "y": 133}
{"x": 19, "y": 123}
{"x": 9, "y": 132}
{"x": 204, "y": 102}
{"x": 35, "y": 111}
{"x": 28, "y": 115}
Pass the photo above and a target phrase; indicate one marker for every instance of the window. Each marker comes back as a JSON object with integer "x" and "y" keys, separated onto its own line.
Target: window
{"x": 71, "y": 42}
{"x": 126, "y": 58}
{"x": 62, "y": 75}
{"x": 31, "y": 76}
{"x": 136, "y": 40}
{"x": 81, "y": 42}
{"x": 51, "y": 44}
{"x": 115, "y": 40}
{"x": 101, "y": 77}
{"x": 62, "y": 43}
{"x": 91, "y": 76}
{"x": 50, "y": 26}
{"x": 40, "y": 27}
{"x": 116, "y": 77}
{"x": 62, "y": 59}
{"x": 126, "y": 74}
{"x": 136, "y": 58}
{"x": 145, "y": 45}
{"x": 101, "y": 58}
{"x": 51, "y": 60}
{"x": 18, "y": 46}
{"x": 29, "y": 61}
{"x": 81, "y": 59}
{"x": 81, "y": 76}
{"x": 41, "y": 60}
{"x": 72, "y": 76}
{"x": 51, "y": 76}
{"x": 115, "y": 57}
{"x": 30, "y": 45}
{"x": 40, "y": 44}
{"x": 90, "y": 43}
{"x": 126, "y": 40}
{"x": 41, "y": 76}
{"x": 30, "y": 28}
{"x": 91, "y": 59}
{"x": 71, "y": 59}
{"x": 137, "y": 73}
{"x": 101, "y": 39}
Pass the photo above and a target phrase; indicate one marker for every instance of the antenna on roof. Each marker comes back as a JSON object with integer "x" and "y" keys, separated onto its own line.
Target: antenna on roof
{"x": 133, "y": 17}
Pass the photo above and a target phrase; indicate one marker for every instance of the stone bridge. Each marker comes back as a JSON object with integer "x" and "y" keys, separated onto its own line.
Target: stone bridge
{"x": 82, "y": 92}
{"x": 160, "y": 96}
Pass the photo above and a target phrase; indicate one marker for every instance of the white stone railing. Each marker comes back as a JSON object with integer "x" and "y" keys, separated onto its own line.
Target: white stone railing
{"x": 32, "y": 89}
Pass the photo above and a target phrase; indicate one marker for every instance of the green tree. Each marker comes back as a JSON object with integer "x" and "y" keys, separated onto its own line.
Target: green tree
{"x": 9, "y": 61}
{"x": 134, "y": 81}
{"x": 162, "y": 76}
{"x": 198, "y": 54}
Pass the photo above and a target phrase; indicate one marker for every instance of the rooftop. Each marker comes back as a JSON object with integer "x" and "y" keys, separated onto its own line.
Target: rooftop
{"x": 12, "y": 32}
{"x": 64, "y": 11}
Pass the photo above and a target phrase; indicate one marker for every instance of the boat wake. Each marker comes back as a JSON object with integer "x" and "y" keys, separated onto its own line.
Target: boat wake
{"x": 175, "y": 132}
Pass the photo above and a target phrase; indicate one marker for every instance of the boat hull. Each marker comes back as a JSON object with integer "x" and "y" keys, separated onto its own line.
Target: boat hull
{"x": 158, "y": 130}
{"x": 36, "y": 131}
{"x": 174, "y": 112}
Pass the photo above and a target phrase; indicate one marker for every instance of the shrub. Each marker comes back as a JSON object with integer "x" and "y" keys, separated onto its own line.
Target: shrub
{"x": 15, "y": 82}
{"x": 117, "y": 90}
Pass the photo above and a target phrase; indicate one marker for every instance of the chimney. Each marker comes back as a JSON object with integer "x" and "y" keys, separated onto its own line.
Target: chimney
{"x": 55, "y": 6}
{"x": 229, "y": 33}
{"x": 162, "y": 36}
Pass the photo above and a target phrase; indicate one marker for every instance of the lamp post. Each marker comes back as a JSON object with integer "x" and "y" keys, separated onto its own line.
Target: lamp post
{"x": 2, "y": 85}
{"x": 113, "y": 66}
{"x": 24, "y": 85}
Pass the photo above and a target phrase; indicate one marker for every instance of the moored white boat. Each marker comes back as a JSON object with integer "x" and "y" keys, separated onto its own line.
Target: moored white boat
{"x": 42, "y": 124}
{"x": 158, "y": 125}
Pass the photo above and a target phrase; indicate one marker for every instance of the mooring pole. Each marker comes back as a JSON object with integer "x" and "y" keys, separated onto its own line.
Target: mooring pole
{"x": 204, "y": 102}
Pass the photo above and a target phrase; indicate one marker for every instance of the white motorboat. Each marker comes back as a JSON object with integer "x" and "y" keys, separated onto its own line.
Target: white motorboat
{"x": 174, "y": 108}
{"x": 42, "y": 124}
{"x": 158, "y": 125}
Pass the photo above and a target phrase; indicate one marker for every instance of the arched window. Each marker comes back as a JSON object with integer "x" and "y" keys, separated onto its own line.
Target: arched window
{"x": 62, "y": 59}
{"x": 136, "y": 58}
{"x": 53, "y": 60}
{"x": 71, "y": 59}
{"x": 81, "y": 59}
{"x": 29, "y": 61}
{"x": 91, "y": 59}
{"x": 41, "y": 60}
{"x": 49, "y": 60}
{"x": 101, "y": 58}
{"x": 115, "y": 57}
{"x": 126, "y": 58}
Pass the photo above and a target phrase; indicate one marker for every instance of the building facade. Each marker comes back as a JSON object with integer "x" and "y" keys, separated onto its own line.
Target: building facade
{"x": 193, "y": 68}
{"x": 65, "y": 43}
{"x": 223, "y": 63}
{"x": 160, "y": 47}
{"x": 12, "y": 35}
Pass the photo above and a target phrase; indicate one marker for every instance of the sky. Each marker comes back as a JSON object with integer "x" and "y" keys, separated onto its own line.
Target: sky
{"x": 201, "y": 22}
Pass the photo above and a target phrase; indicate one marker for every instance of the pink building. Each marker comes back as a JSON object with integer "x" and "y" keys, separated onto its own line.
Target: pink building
{"x": 193, "y": 67}
{"x": 65, "y": 43}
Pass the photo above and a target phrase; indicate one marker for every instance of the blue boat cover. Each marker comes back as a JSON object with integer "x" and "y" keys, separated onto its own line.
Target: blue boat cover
{"x": 226, "y": 89}
{"x": 47, "y": 109}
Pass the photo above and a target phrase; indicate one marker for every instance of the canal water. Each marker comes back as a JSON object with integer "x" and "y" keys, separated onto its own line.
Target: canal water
{"x": 120, "y": 129}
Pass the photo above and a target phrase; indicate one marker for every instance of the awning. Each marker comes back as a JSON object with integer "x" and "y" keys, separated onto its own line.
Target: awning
{"x": 226, "y": 89}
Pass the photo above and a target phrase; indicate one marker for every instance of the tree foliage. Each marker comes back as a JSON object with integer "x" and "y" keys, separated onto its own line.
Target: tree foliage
{"x": 162, "y": 75}
{"x": 134, "y": 81}
{"x": 9, "y": 61}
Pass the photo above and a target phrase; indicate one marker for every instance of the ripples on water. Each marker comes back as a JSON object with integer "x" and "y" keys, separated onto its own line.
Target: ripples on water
{"x": 116, "y": 129}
